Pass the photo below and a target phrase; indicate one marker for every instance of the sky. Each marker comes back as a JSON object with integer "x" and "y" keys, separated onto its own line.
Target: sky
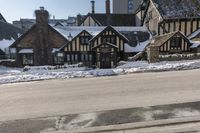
{"x": 15, "y": 9}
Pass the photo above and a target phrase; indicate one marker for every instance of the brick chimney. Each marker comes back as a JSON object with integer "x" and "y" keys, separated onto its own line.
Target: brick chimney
{"x": 107, "y": 6}
{"x": 42, "y": 48}
{"x": 108, "y": 12}
{"x": 93, "y": 6}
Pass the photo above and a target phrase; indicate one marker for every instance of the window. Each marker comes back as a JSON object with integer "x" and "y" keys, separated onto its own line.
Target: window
{"x": 176, "y": 42}
{"x": 150, "y": 14}
{"x": 76, "y": 57}
{"x": 85, "y": 57}
{"x": 67, "y": 57}
{"x": 110, "y": 39}
{"x": 90, "y": 57}
{"x": 58, "y": 59}
{"x": 84, "y": 40}
{"x": 27, "y": 59}
{"x": 72, "y": 57}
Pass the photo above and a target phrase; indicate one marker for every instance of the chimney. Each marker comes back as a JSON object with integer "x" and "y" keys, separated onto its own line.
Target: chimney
{"x": 107, "y": 6}
{"x": 42, "y": 48}
{"x": 108, "y": 16}
{"x": 42, "y": 16}
{"x": 93, "y": 6}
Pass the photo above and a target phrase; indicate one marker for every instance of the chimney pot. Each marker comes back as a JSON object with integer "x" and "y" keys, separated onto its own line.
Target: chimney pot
{"x": 42, "y": 8}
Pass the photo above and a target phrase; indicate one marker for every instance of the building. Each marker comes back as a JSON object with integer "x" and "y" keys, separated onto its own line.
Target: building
{"x": 38, "y": 44}
{"x": 106, "y": 19}
{"x": 26, "y": 24}
{"x": 8, "y": 34}
{"x": 168, "y": 44}
{"x": 171, "y": 22}
{"x": 125, "y": 6}
{"x": 103, "y": 47}
{"x": 165, "y": 16}
{"x": 98, "y": 46}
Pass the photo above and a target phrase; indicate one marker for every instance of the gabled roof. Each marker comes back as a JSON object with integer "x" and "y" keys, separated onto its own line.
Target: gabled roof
{"x": 133, "y": 35}
{"x": 30, "y": 30}
{"x": 113, "y": 30}
{"x": 114, "y": 19}
{"x": 83, "y": 31}
{"x": 2, "y": 18}
{"x": 178, "y": 8}
{"x": 160, "y": 40}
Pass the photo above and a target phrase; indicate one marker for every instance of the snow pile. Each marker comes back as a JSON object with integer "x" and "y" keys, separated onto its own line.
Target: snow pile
{"x": 12, "y": 75}
{"x": 178, "y": 55}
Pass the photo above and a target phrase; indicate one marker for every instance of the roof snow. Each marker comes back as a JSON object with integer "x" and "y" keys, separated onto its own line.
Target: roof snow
{"x": 194, "y": 34}
{"x": 178, "y": 8}
{"x": 138, "y": 36}
{"x": 139, "y": 48}
{"x": 26, "y": 51}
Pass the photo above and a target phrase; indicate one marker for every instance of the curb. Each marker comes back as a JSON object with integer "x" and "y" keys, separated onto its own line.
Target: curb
{"x": 132, "y": 126}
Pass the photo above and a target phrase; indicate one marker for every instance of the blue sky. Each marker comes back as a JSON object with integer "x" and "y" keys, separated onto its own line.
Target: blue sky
{"x": 16, "y": 9}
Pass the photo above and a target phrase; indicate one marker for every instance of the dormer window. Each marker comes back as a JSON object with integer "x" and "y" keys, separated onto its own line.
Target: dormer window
{"x": 84, "y": 40}
{"x": 176, "y": 42}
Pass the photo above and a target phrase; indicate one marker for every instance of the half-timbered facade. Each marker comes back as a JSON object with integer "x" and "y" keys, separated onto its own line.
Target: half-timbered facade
{"x": 102, "y": 47}
{"x": 172, "y": 43}
{"x": 109, "y": 46}
{"x": 78, "y": 49}
{"x": 97, "y": 46}
{"x": 166, "y": 16}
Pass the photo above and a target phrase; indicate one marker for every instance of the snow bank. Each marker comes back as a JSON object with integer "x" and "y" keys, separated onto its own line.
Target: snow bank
{"x": 13, "y": 75}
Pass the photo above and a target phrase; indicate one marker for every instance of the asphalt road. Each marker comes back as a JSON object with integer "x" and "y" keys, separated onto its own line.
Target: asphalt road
{"x": 61, "y": 97}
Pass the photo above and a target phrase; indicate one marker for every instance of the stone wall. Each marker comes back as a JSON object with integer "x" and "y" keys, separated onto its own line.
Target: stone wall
{"x": 153, "y": 54}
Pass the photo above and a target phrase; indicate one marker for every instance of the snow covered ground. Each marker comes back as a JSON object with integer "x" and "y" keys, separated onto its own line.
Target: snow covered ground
{"x": 13, "y": 75}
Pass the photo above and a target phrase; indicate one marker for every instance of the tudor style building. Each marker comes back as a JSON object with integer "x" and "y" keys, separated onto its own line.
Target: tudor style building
{"x": 165, "y": 16}
{"x": 172, "y": 23}
{"x": 102, "y": 47}
{"x": 171, "y": 43}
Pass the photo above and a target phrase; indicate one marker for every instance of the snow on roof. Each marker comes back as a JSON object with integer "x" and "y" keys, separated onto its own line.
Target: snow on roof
{"x": 6, "y": 43}
{"x": 139, "y": 48}
{"x": 26, "y": 51}
{"x": 194, "y": 34}
{"x": 93, "y": 30}
{"x": 55, "y": 50}
{"x": 195, "y": 44}
{"x": 75, "y": 30}
{"x": 178, "y": 8}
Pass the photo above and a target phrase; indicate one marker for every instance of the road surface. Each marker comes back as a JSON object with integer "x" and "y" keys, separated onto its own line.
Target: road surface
{"x": 61, "y": 97}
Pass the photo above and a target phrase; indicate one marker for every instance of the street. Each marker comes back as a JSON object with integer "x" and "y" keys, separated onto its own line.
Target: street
{"x": 82, "y": 95}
